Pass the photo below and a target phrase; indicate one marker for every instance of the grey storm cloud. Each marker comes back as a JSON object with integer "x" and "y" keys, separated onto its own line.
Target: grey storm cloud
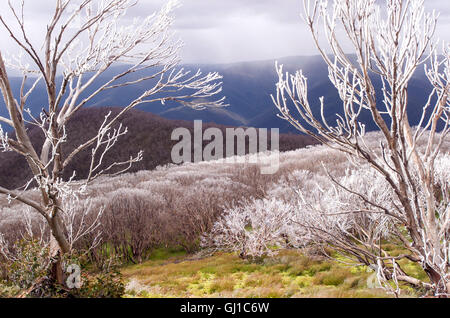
{"x": 220, "y": 31}
{"x": 234, "y": 30}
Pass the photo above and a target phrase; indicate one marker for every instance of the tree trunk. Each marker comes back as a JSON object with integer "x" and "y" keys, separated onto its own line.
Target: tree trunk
{"x": 57, "y": 227}
{"x": 59, "y": 247}
{"x": 56, "y": 271}
{"x": 436, "y": 280}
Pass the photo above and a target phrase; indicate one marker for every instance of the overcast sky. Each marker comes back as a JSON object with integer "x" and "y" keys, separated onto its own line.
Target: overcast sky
{"x": 221, "y": 31}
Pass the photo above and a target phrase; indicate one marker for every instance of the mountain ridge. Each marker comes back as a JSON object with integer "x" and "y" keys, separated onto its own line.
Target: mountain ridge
{"x": 248, "y": 86}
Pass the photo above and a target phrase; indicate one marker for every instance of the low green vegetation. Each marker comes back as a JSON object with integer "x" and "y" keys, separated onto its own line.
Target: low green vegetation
{"x": 289, "y": 274}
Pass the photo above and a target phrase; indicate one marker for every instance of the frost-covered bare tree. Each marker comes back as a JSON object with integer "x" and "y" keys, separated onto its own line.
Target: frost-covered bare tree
{"x": 85, "y": 42}
{"x": 391, "y": 42}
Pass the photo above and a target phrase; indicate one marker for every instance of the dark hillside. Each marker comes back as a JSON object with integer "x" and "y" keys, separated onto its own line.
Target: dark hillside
{"x": 148, "y": 132}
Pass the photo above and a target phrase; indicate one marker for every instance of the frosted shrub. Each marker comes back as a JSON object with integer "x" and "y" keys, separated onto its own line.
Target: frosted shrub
{"x": 333, "y": 214}
{"x": 253, "y": 230}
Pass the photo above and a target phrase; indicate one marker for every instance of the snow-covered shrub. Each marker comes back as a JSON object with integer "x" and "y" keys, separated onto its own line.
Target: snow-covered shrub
{"x": 253, "y": 230}
{"x": 335, "y": 212}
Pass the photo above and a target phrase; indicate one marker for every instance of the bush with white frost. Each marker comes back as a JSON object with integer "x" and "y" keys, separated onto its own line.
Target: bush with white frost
{"x": 335, "y": 215}
{"x": 253, "y": 230}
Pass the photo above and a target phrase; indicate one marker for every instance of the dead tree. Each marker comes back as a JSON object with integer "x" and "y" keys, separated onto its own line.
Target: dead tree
{"x": 390, "y": 42}
{"x": 84, "y": 42}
